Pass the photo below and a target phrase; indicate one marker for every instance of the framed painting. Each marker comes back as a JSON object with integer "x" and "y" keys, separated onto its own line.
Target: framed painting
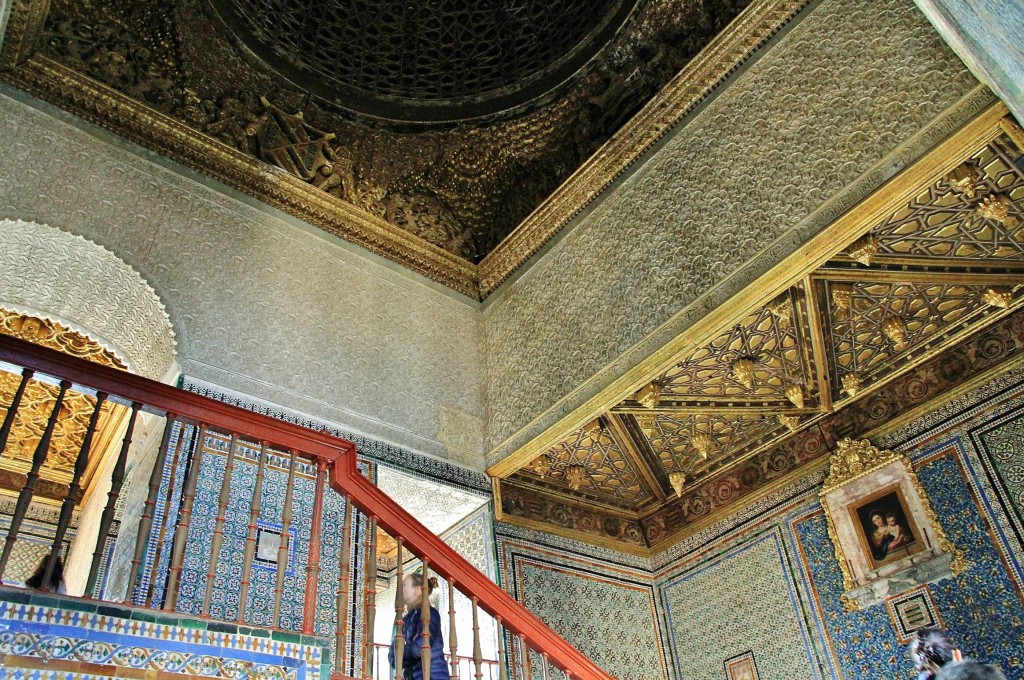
{"x": 887, "y": 530}
{"x": 886, "y": 536}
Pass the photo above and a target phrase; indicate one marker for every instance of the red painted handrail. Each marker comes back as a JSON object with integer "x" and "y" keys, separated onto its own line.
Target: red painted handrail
{"x": 340, "y": 456}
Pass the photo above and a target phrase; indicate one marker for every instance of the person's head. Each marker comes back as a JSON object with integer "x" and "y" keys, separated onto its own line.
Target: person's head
{"x": 37, "y": 579}
{"x": 890, "y": 520}
{"x": 412, "y": 588}
{"x": 877, "y": 519}
{"x": 970, "y": 670}
{"x": 931, "y": 649}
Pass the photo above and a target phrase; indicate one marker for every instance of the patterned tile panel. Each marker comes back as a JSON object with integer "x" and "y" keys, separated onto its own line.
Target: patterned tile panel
{"x": 744, "y": 599}
{"x": 118, "y": 640}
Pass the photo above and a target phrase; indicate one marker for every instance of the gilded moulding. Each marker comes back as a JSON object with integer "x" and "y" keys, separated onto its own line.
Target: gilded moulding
{"x": 698, "y": 80}
{"x": 803, "y": 262}
{"x": 24, "y": 27}
{"x": 149, "y": 128}
{"x": 857, "y": 471}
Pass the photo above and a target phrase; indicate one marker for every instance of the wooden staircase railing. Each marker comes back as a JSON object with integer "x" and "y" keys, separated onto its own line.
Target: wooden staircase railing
{"x": 335, "y": 462}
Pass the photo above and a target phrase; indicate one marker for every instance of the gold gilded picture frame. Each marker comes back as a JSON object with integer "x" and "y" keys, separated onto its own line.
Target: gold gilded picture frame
{"x": 878, "y": 553}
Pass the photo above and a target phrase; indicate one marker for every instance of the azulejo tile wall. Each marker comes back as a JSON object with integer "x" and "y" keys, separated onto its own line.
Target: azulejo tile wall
{"x": 767, "y": 581}
{"x": 743, "y": 599}
{"x": 961, "y": 455}
{"x": 605, "y": 610}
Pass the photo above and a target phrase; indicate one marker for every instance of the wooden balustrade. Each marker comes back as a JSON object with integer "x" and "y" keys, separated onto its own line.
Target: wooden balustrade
{"x": 335, "y": 461}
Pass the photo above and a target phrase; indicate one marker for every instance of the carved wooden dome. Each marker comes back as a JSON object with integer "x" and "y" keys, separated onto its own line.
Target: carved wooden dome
{"x": 429, "y": 60}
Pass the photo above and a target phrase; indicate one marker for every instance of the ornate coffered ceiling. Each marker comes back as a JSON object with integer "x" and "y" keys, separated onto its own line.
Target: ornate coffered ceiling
{"x": 454, "y": 141}
{"x": 37, "y": 404}
{"x": 915, "y": 294}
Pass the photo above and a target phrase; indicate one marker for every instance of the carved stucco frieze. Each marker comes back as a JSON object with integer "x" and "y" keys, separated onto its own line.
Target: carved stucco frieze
{"x": 261, "y": 305}
{"x": 780, "y": 153}
{"x": 70, "y": 280}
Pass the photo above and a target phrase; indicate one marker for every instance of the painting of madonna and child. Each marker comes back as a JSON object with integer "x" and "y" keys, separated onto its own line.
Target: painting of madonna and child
{"x": 887, "y": 532}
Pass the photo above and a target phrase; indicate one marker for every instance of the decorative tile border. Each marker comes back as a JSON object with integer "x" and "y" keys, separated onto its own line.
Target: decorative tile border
{"x": 60, "y": 629}
{"x": 380, "y": 452}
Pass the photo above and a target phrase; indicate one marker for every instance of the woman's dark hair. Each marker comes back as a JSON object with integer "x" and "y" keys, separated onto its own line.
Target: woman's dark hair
{"x": 36, "y": 579}
{"x": 933, "y": 645}
{"x": 417, "y": 580}
{"x": 970, "y": 670}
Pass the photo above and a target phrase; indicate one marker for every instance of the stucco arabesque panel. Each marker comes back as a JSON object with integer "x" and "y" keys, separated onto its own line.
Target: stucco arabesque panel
{"x": 73, "y": 281}
{"x": 259, "y": 304}
{"x": 782, "y": 152}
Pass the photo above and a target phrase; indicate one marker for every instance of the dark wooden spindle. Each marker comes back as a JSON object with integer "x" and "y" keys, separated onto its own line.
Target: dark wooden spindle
{"x": 284, "y": 545}
{"x": 370, "y": 595}
{"x": 25, "y": 497}
{"x": 12, "y": 409}
{"x": 184, "y": 521}
{"x": 315, "y": 543}
{"x": 107, "y": 518}
{"x": 217, "y": 541}
{"x": 399, "y": 642}
{"x": 149, "y": 509}
{"x": 255, "y": 505}
{"x": 179, "y": 446}
{"x": 74, "y": 494}
{"x": 425, "y": 622}
{"x": 342, "y": 602}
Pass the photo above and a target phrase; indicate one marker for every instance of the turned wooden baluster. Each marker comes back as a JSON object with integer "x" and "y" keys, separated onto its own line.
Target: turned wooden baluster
{"x": 284, "y": 545}
{"x": 107, "y": 518}
{"x": 184, "y": 520}
{"x": 425, "y": 622}
{"x": 255, "y": 504}
{"x": 369, "y": 595}
{"x": 25, "y": 497}
{"x": 74, "y": 489}
{"x": 399, "y": 642}
{"x": 315, "y": 542}
{"x": 160, "y": 547}
{"x": 12, "y": 409}
{"x": 453, "y": 642}
{"x": 502, "y": 669}
{"x": 526, "y": 663}
{"x": 217, "y": 541}
{"x": 149, "y": 510}
{"x": 478, "y": 657}
{"x": 341, "y": 604}
{"x": 544, "y": 665}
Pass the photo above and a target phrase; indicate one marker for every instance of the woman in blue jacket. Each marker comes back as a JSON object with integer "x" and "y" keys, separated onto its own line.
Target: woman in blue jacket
{"x": 412, "y": 668}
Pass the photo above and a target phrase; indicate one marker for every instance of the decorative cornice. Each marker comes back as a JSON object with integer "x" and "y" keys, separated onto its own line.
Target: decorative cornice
{"x": 122, "y": 115}
{"x": 24, "y": 28}
{"x": 696, "y": 82}
{"x": 104, "y": 106}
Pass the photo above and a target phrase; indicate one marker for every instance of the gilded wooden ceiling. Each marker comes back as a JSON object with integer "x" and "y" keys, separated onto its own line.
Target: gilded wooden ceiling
{"x": 910, "y": 303}
{"x": 463, "y": 197}
{"x": 37, "y": 405}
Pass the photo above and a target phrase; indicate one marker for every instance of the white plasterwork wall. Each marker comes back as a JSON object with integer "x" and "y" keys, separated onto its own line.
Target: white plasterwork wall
{"x": 854, "y": 92}
{"x": 260, "y": 303}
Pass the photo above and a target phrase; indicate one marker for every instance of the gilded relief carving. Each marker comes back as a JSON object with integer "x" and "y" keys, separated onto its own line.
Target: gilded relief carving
{"x": 911, "y": 307}
{"x": 37, "y": 405}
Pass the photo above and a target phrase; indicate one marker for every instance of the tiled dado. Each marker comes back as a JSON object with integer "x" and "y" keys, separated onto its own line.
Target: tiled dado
{"x": 49, "y": 637}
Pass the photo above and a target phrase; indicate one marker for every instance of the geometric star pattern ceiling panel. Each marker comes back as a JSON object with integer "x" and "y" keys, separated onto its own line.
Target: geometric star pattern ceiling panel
{"x": 908, "y": 302}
